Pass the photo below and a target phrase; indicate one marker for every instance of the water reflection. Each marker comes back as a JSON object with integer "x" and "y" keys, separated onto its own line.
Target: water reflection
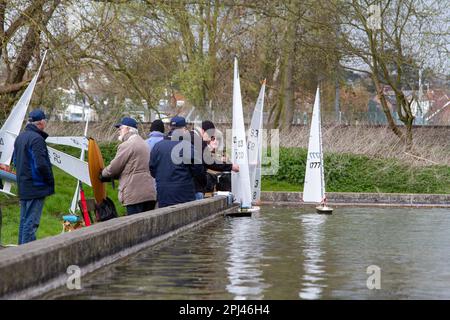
{"x": 314, "y": 264}
{"x": 245, "y": 250}
{"x": 287, "y": 254}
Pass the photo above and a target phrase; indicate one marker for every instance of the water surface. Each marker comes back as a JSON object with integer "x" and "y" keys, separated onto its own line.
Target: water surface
{"x": 288, "y": 253}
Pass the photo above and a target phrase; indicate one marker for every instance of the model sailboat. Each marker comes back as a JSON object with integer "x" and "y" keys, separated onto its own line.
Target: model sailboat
{"x": 314, "y": 187}
{"x": 240, "y": 181}
{"x": 11, "y": 129}
{"x": 255, "y": 146}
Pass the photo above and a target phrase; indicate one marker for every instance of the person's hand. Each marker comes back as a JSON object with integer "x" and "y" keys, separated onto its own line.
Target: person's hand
{"x": 235, "y": 167}
{"x": 213, "y": 144}
{"x": 102, "y": 178}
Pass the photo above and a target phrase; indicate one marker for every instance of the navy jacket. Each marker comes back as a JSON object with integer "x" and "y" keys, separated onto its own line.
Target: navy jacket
{"x": 33, "y": 167}
{"x": 175, "y": 181}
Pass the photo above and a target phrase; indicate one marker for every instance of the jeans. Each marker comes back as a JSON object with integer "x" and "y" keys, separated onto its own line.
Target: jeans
{"x": 30, "y": 216}
{"x": 199, "y": 196}
{"x": 140, "y": 207}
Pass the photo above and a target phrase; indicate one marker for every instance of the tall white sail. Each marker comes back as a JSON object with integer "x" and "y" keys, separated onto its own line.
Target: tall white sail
{"x": 314, "y": 187}
{"x": 77, "y": 142}
{"x": 255, "y": 145}
{"x": 11, "y": 128}
{"x": 71, "y": 165}
{"x": 240, "y": 181}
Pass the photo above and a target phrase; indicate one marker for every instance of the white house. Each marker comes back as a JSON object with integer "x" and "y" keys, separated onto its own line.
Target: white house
{"x": 75, "y": 112}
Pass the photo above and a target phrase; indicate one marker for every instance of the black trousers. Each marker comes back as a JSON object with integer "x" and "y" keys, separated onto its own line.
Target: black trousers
{"x": 140, "y": 207}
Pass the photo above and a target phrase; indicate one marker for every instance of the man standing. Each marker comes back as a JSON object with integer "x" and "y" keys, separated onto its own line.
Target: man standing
{"x": 34, "y": 174}
{"x": 130, "y": 165}
{"x": 205, "y": 136}
{"x": 174, "y": 163}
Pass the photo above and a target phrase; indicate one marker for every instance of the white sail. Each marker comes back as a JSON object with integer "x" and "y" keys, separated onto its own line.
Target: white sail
{"x": 255, "y": 145}
{"x": 11, "y": 128}
{"x": 240, "y": 181}
{"x": 77, "y": 142}
{"x": 71, "y": 165}
{"x": 7, "y": 188}
{"x": 314, "y": 187}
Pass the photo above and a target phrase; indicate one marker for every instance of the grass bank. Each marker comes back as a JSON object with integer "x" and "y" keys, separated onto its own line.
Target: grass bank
{"x": 56, "y": 205}
{"x": 359, "y": 173}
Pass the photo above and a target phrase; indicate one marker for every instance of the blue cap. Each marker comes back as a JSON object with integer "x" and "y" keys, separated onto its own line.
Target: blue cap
{"x": 130, "y": 122}
{"x": 178, "y": 122}
{"x": 36, "y": 115}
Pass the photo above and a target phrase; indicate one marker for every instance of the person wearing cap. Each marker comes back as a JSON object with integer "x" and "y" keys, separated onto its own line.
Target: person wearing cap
{"x": 34, "y": 174}
{"x": 130, "y": 165}
{"x": 156, "y": 133}
{"x": 174, "y": 163}
{"x": 205, "y": 136}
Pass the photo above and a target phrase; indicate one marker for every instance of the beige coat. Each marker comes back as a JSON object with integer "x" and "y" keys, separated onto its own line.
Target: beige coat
{"x": 131, "y": 166}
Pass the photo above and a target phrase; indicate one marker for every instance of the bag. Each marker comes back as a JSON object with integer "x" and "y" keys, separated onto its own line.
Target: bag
{"x": 105, "y": 210}
{"x": 224, "y": 181}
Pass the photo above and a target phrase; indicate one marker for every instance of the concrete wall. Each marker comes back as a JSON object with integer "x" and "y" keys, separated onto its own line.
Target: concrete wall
{"x": 37, "y": 267}
{"x": 349, "y": 198}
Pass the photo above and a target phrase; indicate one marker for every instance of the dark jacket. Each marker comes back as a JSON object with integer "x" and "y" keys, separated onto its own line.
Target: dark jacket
{"x": 175, "y": 182}
{"x": 33, "y": 168}
{"x": 200, "y": 184}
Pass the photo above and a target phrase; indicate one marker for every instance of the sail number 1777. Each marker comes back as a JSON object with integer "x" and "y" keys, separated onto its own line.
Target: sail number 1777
{"x": 314, "y": 165}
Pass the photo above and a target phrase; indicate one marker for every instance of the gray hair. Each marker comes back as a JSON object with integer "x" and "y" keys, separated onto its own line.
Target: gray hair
{"x": 133, "y": 130}
{"x": 35, "y": 122}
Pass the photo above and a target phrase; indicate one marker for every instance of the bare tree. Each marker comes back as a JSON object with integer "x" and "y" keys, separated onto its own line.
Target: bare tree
{"x": 380, "y": 38}
{"x": 21, "y": 26}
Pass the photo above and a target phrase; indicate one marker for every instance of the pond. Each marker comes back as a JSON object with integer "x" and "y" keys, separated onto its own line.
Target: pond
{"x": 289, "y": 253}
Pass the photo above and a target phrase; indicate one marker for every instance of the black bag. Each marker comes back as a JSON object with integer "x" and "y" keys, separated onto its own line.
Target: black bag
{"x": 224, "y": 181}
{"x": 105, "y": 210}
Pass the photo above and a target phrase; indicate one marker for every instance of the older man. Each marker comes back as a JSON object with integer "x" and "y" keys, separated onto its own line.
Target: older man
{"x": 34, "y": 174}
{"x": 136, "y": 185}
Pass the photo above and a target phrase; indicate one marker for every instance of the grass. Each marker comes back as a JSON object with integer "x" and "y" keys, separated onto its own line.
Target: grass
{"x": 273, "y": 185}
{"x": 359, "y": 173}
{"x": 55, "y": 206}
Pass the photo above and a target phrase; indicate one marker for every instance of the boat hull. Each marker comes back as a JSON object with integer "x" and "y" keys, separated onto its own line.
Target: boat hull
{"x": 244, "y": 212}
{"x": 324, "y": 210}
{"x": 6, "y": 175}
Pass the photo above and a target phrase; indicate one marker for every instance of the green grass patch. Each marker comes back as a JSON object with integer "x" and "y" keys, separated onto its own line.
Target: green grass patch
{"x": 56, "y": 205}
{"x": 357, "y": 173}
